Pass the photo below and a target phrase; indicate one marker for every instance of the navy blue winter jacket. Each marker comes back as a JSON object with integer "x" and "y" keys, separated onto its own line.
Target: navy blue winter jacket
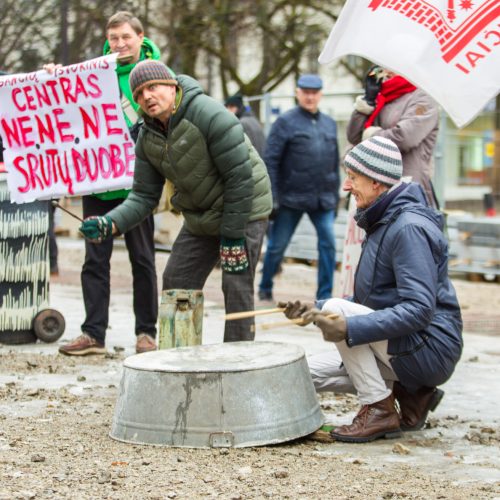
{"x": 302, "y": 159}
{"x": 403, "y": 275}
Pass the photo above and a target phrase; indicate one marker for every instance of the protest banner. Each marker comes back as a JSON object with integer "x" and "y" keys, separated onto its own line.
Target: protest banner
{"x": 351, "y": 252}
{"x": 450, "y": 49}
{"x": 65, "y": 133}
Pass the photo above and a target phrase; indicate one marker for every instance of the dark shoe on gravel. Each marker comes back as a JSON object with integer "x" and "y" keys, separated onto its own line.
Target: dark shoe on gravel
{"x": 415, "y": 406}
{"x": 374, "y": 421}
{"x": 265, "y": 295}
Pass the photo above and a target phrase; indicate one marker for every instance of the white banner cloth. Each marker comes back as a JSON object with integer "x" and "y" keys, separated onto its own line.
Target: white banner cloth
{"x": 450, "y": 49}
{"x": 65, "y": 133}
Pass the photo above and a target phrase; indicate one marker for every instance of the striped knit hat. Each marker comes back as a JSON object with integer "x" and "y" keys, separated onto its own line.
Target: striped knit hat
{"x": 148, "y": 72}
{"x": 378, "y": 158}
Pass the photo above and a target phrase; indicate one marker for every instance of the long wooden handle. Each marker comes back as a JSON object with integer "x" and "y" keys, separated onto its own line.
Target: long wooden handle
{"x": 56, "y": 204}
{"x": 251, "y": 314}
{"x": 278, "y": 324}
{"x": 296, "y": 321}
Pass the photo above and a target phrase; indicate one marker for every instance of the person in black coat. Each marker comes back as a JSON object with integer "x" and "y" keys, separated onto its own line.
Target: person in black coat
{"x": 302, "y": 159}
{"x": 251, "y": 126}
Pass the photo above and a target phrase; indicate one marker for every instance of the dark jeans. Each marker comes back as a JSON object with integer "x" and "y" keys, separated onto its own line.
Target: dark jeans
{"x": 193, "y": 258}
{"x": 282, "y": 231}
{"x": 53, "y": 251}
{"x": 95, "y": 274}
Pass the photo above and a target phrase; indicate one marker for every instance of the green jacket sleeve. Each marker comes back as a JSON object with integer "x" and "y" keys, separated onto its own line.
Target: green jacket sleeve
{"x": 144, "y": 197}
{"x": 230, "y": 154}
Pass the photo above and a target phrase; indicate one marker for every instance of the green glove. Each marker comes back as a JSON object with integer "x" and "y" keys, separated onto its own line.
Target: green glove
{"x": 97, "y": 228}
{"x": 334, "y": 328}
{"x": 295, "y": 310}
{"x": 233, "y": 255}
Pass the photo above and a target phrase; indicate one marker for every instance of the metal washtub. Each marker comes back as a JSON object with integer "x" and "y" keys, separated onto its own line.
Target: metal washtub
{"x": 220, "y": 395}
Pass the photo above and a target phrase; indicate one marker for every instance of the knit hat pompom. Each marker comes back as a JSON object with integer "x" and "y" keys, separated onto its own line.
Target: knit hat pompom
{"x": 148, "y": 72}
{"x": 378, "y": 158}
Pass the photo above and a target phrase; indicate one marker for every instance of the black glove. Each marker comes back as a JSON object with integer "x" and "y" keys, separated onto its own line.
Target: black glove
{"x": 373, "y": 82}
{"x": 97, "y": 228}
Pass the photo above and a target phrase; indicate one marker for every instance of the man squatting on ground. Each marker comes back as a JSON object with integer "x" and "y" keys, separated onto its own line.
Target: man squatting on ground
{"x": 400, "y": 335}
{"x": 221, "y": 187}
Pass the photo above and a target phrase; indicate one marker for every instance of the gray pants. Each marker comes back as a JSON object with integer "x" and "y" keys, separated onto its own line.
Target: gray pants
{"x": 363, "y": 369}
{"x": 193, "y": 258}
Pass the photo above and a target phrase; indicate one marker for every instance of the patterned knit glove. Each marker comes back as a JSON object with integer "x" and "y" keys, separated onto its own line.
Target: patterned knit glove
{"x": 233, "y": 255}
{"x": 97, "y": 228}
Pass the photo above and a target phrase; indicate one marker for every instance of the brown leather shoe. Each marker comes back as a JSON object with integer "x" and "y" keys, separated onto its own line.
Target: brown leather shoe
{"x": 415, "y": 407}
{"x": 145, "y": 343}
{"x": 373, "y": 421}
{"x": 82, "y": 345}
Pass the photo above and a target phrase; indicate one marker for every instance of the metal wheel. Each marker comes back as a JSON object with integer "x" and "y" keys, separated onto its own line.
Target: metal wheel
{"x": 49, "y": 325}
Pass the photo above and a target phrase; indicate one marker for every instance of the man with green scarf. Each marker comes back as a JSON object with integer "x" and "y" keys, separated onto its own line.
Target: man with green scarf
{"x": 124, "y": 36}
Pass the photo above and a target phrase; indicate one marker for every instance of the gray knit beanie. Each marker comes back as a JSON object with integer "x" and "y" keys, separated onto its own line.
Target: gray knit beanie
{"x": 378, "y": 158}
{"x": 148, "y": 72}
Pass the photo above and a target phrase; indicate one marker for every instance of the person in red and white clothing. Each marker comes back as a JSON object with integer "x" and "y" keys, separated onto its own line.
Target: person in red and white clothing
{"x": 394, "y": 108}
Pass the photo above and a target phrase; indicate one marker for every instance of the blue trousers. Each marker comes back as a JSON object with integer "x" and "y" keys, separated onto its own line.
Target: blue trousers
{"x": 282, "y": 230}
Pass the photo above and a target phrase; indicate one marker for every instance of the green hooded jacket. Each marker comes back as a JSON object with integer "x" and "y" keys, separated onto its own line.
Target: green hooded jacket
{"x": 220, "y": 181}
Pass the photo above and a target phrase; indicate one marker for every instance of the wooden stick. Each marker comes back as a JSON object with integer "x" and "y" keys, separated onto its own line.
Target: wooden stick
{"x": 278, "y": 324}
{"x": 289, "y": 322}
{"x": 251, "y": 314}
{"x": 56, "y": 204}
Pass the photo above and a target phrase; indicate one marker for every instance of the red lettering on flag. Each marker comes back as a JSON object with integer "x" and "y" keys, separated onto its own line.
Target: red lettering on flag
{"x": 452, "y": 40}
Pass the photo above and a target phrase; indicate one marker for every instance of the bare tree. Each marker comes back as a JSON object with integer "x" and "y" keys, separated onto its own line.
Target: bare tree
{"x": 87, "y": 25}
{"x": 277, "y": 34}
{"x": 251, "y": 44}
{"x": 26, "y": 30}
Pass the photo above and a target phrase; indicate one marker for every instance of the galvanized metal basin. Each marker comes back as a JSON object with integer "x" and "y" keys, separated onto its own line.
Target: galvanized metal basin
{"x": 220, "y": 395}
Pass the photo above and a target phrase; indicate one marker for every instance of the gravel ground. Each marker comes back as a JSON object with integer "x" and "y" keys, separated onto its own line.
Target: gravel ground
{"x": 56, "y": 412}
{"x": 54, "y": 444}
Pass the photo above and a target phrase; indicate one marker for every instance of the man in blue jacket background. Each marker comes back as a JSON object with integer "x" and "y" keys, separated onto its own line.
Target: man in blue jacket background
{"x": 302, "y": 159}
{"x": 400, "y": 335}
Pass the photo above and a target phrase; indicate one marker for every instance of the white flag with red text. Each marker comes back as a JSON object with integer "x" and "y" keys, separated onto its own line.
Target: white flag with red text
{"x": 448, "y": 48}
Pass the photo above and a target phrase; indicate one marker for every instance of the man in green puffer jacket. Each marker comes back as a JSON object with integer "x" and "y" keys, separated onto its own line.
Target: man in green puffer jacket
{"x": 125, "y": 36}
{"x": 220, "y": 184}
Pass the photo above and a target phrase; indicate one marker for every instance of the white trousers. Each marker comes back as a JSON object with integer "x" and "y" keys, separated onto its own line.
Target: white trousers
{"x": 363, "y": 369}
